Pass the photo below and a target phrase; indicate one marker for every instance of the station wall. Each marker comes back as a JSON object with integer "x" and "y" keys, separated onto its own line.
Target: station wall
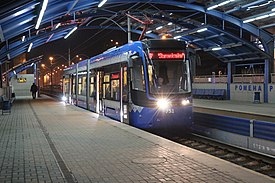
{"x": 241, "y": 91}
{"x": 246, "y": 92}
{"x": 21, "y": 85}
{"x": 271, "y": 93}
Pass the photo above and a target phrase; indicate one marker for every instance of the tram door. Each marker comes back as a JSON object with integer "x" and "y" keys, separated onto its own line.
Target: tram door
{"x": 124, "y": 93}
{"x": 99, "y": 91}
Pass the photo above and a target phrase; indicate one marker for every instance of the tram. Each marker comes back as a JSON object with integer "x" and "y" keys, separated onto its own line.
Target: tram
{"x": 146, "y": 84}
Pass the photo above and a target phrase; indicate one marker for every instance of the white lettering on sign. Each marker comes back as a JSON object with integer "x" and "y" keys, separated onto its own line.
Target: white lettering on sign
{"x": 244, "y": 87}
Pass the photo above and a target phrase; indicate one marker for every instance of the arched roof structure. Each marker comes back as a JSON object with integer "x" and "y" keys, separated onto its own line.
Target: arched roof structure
{"x": 231, "y": 30}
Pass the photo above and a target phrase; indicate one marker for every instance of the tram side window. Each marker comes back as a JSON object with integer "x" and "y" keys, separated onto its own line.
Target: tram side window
{"x": 137, "y": 78}
{"x": 80, "y": 85}
{"x": 92, "y": 87}
{"x": 115, "y": 86}
{"x": 83, "y": 86}
{"x": 73, "y": 85}
{"x": 125, "y": 85}
{"x": 106, "y": 87}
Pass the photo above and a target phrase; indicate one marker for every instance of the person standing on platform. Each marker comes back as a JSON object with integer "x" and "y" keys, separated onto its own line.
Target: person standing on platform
{"x": 33, "y": 90}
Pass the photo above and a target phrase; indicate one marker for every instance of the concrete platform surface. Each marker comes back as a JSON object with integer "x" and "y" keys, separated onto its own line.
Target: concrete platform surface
{"x": 44, "y": 140}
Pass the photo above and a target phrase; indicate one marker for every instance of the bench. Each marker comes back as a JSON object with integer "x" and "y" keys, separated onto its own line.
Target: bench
{"x": 5, "y": 104}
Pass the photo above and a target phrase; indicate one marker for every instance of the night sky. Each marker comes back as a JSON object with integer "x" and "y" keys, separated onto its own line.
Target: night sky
{"x": 88, "y": 42}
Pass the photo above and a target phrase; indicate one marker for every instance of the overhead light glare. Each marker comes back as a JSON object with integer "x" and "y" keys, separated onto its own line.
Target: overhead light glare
{"x": 249, "y": 20}
{"x": 102, "y": 3}
{"x": 9, "y": 57}
{"x": 220, "y": 4}
{"x": 32, "y": 64}
{"x": 177, "y": 37}
{"x": 58, "y": 25}
{"x": 260, "y": 17}
{"x": 14, "y": 72}
{"x": 23, "y": 38}
{"x": 216, "y": 48}
{"x": 42, "y": 11}
{"x": 30, "y": 47}
{"x": 70, "y": 32}
{"x": 170, "y": 23}
{"x": 158, "y": 28}
{"x": 273, "y": 9}
{"x": 148, "y": 32}
{"x": 202, "y": 30}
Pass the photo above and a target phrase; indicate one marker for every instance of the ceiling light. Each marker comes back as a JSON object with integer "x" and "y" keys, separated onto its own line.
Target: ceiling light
{"x": 177, "y": 37}
{"x": 23, "y": 38}
{"x": 70, "y": 32}
{"x": 170, "y": 23}
{"x": 202, "y": 30}
{"x": 102, "y": 3}
{"x": 58, "y": 25}
{"x": 158, "y": 28}
{"x": 148, "y": 32}
{"x": 216, "y": 48}
{"x": 42, "y": 11}
{"x": 220, "y": 4}
{"x": 30, "y": 47}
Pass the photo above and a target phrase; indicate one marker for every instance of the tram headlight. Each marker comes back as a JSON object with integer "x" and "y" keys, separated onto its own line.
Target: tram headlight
{"x": 64, "y": 98}
{"x": 163, "y": 103}
{"x": 185, "y": 102}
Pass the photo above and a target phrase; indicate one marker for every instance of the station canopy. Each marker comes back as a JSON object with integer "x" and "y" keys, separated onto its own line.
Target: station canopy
{"x": 230, "y": 30}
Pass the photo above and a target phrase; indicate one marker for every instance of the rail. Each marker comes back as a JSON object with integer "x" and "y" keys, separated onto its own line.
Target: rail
{"x": 210, "y": 79}
{"x": 248, "y": 78}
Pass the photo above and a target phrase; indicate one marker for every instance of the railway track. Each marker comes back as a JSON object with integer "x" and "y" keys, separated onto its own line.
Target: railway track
{"x": 254, "y": 161}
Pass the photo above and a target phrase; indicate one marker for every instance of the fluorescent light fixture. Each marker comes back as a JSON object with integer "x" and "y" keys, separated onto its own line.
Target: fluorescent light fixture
{"x": 23, "y": 38}
{"x": 260, "y": 17}
{"x": 249, "y": 20}
{"x": 101, "y": 3}
{"x": 32, "y": 64}
{"x": 30, "y": 47}
{"x": 220, "y": 4}
{"x": 70, "y": 32}
{"x": 158, "y": 28}
{"x": 58, "y": 25}
{"x": 42, "y": 11}
{"x": 148, "y": 32}
{"x": 216, "y": 48}
{"x": 170, "y": 23}
{"x": 177, "y": 37}
{"x": 202, "y": 30}
{"x": 14, "y": 72}
{"x": 9, "y": 57}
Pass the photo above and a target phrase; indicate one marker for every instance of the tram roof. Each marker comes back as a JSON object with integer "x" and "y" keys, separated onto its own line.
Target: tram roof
{"x": 232, "y": 30}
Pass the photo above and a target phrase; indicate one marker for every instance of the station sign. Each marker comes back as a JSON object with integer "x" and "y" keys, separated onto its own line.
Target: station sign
{"x": 21, "y": 80}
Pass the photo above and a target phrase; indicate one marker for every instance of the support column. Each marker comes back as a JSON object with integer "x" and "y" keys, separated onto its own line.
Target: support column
{"x": 1, "y": 79}
{"x": 266, "y": 80}
{"x": 76, "y": 85}
{"x": 88, "y": 81}
{"x": 129, "y": 28}
{"x": 229, "y": 81}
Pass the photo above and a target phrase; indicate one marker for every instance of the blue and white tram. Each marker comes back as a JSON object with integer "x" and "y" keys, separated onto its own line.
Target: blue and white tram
{"x": 146, "y": 84}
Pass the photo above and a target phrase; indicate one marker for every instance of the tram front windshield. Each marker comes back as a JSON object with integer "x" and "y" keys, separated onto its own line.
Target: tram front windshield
{"x": 170, "y": 76}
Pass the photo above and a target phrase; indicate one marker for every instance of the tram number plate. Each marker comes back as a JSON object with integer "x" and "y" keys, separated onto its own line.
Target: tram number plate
{"x": 170, "y": 111}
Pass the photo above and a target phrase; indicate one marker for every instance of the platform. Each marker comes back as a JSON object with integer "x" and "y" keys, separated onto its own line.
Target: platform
{"x": 250, "y": 110}
{"x": 44, "y": 140}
